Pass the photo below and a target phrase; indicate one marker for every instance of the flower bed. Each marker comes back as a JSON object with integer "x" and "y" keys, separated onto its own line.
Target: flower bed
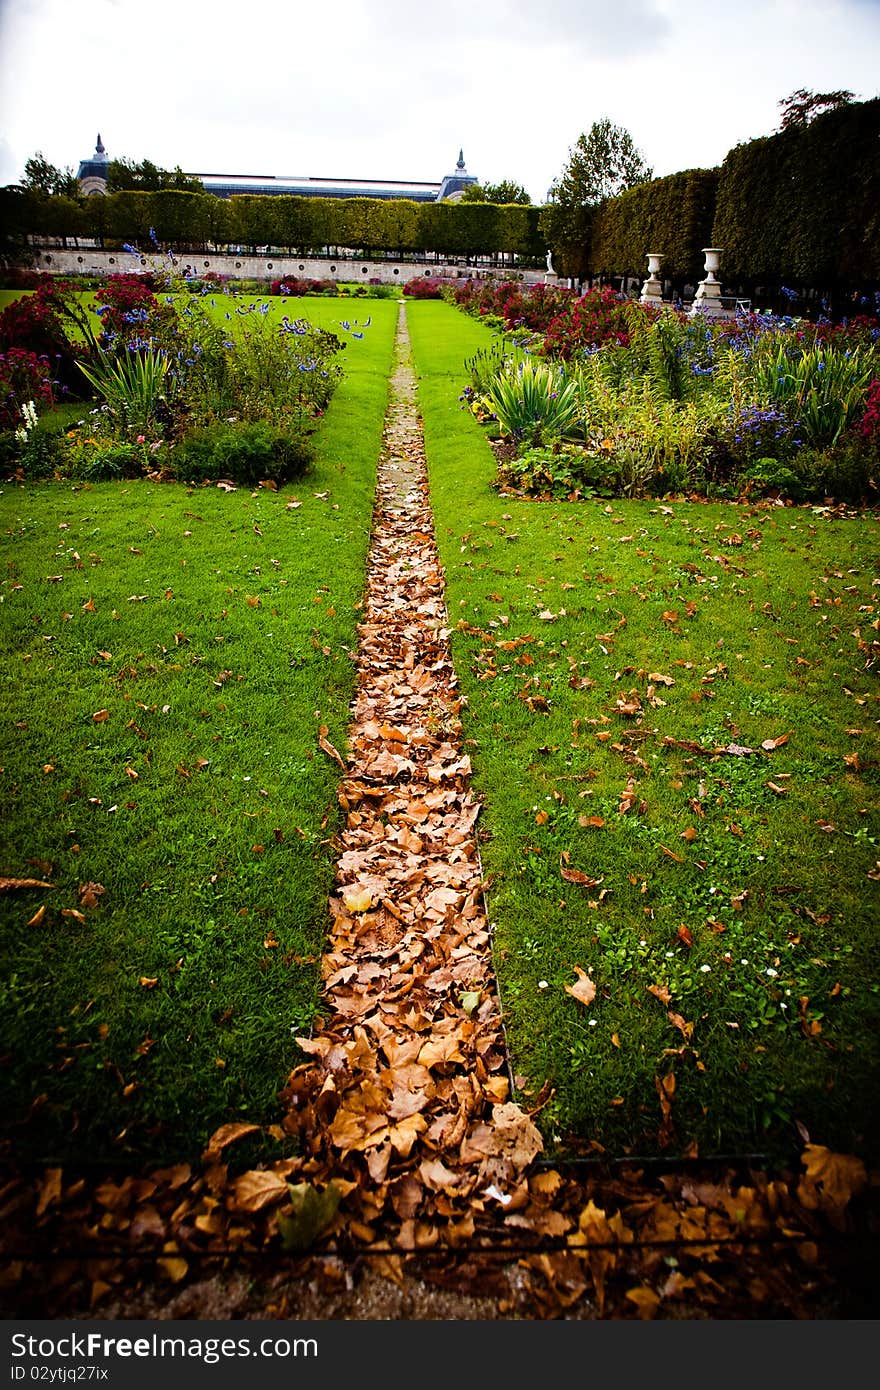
{"x": 759, "y": 405}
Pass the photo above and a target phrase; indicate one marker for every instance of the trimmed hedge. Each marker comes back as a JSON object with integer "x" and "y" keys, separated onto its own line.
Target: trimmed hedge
{"x": 672, "y": 215}
{"x": 804, "y": 205}
{"x": 191, "y": 220}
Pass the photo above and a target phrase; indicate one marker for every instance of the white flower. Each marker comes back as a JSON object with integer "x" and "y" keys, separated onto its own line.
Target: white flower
{"x": 771, "y": 972}
{"x": 704, "y": 969}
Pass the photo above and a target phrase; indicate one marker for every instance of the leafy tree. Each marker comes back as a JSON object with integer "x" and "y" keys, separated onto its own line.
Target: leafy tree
{"x": 503, "y": 193}
{"x": 47, "y": 179}
{"x": 801, "y": 106}
{"x": 145, "y": 176}
{"x": 601, "y": 164}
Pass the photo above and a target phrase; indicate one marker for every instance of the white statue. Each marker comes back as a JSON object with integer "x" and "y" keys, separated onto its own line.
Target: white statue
{"x": 550, "y": 269}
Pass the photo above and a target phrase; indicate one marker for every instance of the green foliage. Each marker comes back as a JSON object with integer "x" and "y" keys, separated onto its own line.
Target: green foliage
{"x": 672, "y": 216}
{"x": 246, "y": 452}
{"x": 188, "y": 218}
{"x": 533, "y": 400}
{"x": 99, "y": 461}
{"x": 823, "y": 387}
{"x": 502, "y": 193}
{"x": 148, "y": 177}
{"x": 47, "y": 179}
{"x": 803, "y": 205}
{"x": 39, "y": 455}
{"x": 600, "y": 165}
{"x": 557, "y": 470}
{"x": 133, "y": 386}
{"x": 800, "y": 107}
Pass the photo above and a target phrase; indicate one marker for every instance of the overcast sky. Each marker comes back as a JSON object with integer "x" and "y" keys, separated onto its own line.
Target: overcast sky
{"x": 391, "y": 89}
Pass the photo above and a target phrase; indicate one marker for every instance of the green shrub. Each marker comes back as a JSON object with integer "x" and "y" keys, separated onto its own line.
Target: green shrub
{"x": 823, "y": 387}
{"x": 133, "y": 385}
{"x": 768, "y": 475}
{"x": 40, "y": 454}
{"x": 848, "y": 472}
{"x": 245, "y": 452}
{"x": 100, "y": 461}
{"x": 533, "y": 401}
{"x": 558, "y": 470}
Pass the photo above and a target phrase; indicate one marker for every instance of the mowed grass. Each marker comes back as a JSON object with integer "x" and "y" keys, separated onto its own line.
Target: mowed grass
{"x": 679, "y": 702}
{"x": 170, "y": 658}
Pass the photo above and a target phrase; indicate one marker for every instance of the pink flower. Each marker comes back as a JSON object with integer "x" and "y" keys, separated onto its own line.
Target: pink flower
{"x": 141, "y": 439}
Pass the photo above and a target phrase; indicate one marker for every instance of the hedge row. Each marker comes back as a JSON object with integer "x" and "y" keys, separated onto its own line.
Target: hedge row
{"x": 804, "y": 205}
{"x": 301, "y": 225}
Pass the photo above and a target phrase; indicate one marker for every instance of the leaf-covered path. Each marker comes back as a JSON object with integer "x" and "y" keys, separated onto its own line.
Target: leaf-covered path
{"x": 408, "y": 1093}
{"x": 417, "y": 1186}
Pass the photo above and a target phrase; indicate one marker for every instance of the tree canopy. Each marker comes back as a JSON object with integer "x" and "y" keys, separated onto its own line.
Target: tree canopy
{"x": 601, "y": 164}
{"x": 47, "y": 179}
{"x": 799, "y": 108}
{"x": 504, "y": 192}
{"x": 144, "y": 175}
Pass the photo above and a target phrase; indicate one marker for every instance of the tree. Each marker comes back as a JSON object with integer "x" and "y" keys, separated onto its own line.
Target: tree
{"x": 47, "y": 179}
{"x": 600, "y": 165}
{"x": 147, "y": 177}
{"x": 801, "y": 106}
{"x": 505, "y": 192}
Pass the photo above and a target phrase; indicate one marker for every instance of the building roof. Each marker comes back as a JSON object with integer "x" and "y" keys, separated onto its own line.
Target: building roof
{"x": 96, "y": 165}
{"x": 226, "y": 185}
{"x": 94, "y": 170}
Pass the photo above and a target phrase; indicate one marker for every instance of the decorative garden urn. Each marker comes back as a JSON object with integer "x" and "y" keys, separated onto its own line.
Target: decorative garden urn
{"x": 652, "y": 289}
{"x": 707, "y": 299}
{"x": 713, "y": 261}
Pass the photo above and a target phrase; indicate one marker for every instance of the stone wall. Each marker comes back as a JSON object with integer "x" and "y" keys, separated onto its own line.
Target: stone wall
{"x": 90, "y": 261}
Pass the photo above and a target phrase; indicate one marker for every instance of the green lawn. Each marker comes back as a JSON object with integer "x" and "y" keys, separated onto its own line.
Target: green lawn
{"x": 618, "y": 658}
{"x": 724, "y": 903}
{"x": 170, "y": 656}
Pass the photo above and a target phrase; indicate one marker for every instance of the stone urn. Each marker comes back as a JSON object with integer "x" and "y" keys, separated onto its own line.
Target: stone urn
{"x": 652, "y": 289}
{"x": 707, "y": 299}
{"x": 713, "y": 261}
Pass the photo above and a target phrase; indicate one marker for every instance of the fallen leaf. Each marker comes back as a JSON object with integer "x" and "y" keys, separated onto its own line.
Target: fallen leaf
{"x": 645, "y": 1299}
{"x": 225, "y": 1135}
{"x": 770, "y": 743}
{"x": 256, "y": 1189}
{"x": 575, "y": 875}
{"x": 660, "y": 992}
{"x": 358, "y": 900}
{"x": 6, "y": 884}
{"x": 583, "y": 990}
{"x": 313, "y": 1210}
{"x": 90, "y": 894}
{"x": 327, "y": 747}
